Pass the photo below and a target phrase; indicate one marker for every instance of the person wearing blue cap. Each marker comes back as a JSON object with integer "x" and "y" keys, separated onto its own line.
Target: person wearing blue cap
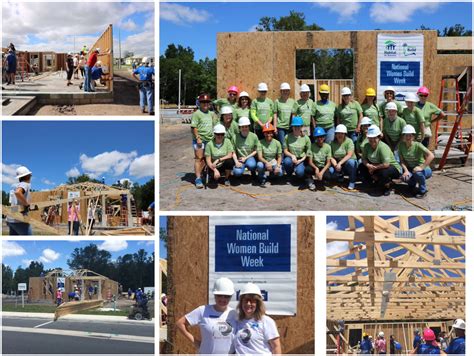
{"x": 295, "y": 148}
{"x": 319, "y": 160}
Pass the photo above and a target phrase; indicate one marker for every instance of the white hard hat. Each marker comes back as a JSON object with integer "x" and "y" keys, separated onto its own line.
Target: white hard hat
{"x": 366, "y": 121}
{"x": 244, "y": 121}
{"x": 244, "y": 93}
{"x": 341, "y": 128}
{"x": 22, "y": 172}
{"x": 223, "y": 286}
{"x": 346, "y": 91}
{"x": 226, "y": 110}
{"x": 99, "y": 63}
{"x": 408, "y": 129}
{"x": 389, "y": 89}
{"x": 145, "y": 60}
{"x": 251, "y": 288}
{"x": 97, "y": 49}
{"x": 373, "y": 131}
{"x": 69, "y": 53}
{"x": 459, "y": 324}
{"x": 285, "y": 86}
{"x": 381, "y": 334}
{"x": 391, "y": 106}
{"x": 304, "y": 88}
{"x": 262, "y": 87}
{"x": 219, "y": 129}
{"x": 412, "y": 97}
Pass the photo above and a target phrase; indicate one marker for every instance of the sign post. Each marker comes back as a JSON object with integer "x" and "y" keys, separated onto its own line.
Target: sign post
{"x": 22, "y": 288}
{"x": 261, "y": 250}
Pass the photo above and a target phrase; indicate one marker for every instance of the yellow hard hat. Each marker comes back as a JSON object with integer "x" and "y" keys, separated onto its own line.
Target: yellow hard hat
{"x": 324, "y": 88}
{"x": 370, "y": 92}
{"x": 365, "y": 334}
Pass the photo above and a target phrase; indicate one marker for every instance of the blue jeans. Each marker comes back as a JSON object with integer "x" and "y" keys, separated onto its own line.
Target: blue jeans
{"x": 281, "y": 135}
{"x": 349, "y": 168}
{"x": 289, "y": 167}
{"x": 87, "y": 78}
{"x": 330, "y": 135}
{"x": 261, "y": 170}
{"x": 352, "y": 135}
{"x": 250, "y": 164}
{"x": 420, "y": 179}
{"x": 19, "y": 228}
{"x": 146, "y": 97}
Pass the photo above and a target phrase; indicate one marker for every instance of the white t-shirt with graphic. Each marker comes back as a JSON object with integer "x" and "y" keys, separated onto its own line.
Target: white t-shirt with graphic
{"x": 216, "y": 332}
{"x": 13, "y": 199}
{"x": 252, "y": 336}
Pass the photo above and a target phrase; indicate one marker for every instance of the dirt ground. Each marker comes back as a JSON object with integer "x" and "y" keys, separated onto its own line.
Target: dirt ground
{"x": 449, "y": 190}
{"x": 126, "y": 102}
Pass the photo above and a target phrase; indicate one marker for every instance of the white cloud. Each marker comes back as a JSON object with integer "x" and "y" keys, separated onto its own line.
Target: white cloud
{"x": 141, "y": 44}
{"x": 180, "y": 14}
{"x": 143, "y": 166}
{"x": 253, "y": 28}
{"x": 128, "y": 25}
{"x": 73, "y": 173}
{"x": 49, "y": 256}
{"x": 345, "y": 10}
{"x": 336, "y": 247}
{"x": 114, "y": 162}
{"x": 11, "y": 248}
{"x": 9, "y": 173}
{"x": 332, "y": 225}
{"x": 113, "y": 245}
{"x": 123, "y": 180}
{"x": 48, "y": 182}
{"x": 400, "y": 12}
{"x": 26, "y": 263}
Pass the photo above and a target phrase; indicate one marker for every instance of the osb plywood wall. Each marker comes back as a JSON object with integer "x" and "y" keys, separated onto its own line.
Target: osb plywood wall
{"x": 188, "y": 270}
{"x": 245, "y": 59}
{"x": 106, "y": 54}
{"x": 37, "y": 197}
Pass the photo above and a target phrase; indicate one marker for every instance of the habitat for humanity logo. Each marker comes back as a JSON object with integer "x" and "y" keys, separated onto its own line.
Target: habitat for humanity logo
{"x": 409, "y": 50}
{"x": 390, "y": 48}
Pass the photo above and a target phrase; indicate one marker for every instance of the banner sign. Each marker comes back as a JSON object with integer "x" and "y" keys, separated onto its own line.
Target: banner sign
{"x": 259, "y": 249}
{"x": 61, "y": 283}
{"x": 399, "y": 64}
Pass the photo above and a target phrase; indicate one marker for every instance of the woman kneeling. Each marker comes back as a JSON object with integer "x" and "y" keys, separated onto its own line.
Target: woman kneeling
{"x": 319, "y": 160}
{"x": 269, "y": 155}
{"x": 219, "y": 153}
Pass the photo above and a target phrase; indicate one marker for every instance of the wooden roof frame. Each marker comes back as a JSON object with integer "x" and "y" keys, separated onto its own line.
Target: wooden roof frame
{"x": 397, "y": 278}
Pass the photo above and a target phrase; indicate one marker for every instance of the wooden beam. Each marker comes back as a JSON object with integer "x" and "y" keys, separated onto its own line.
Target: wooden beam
{"x": 454, "y": 43}
{"x": 39, "y": 225}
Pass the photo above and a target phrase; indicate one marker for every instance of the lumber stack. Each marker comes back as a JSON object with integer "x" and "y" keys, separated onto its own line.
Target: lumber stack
{"x": 74, "y": 307}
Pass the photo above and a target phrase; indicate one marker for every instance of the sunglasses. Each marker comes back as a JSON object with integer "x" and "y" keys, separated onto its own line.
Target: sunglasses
{"x": 232, "y": 94}
{"x": 219, "y": 134}
{"x": 422, "y": 95}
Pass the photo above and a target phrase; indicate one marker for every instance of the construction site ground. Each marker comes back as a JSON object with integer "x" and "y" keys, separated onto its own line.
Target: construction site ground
{"x": 125, "y": 96}
{"x": 450, "y": 189}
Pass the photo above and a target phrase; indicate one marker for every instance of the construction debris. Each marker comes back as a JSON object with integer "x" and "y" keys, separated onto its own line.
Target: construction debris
{"x": 74, "y": 307}
{"x": 65, "y": 109}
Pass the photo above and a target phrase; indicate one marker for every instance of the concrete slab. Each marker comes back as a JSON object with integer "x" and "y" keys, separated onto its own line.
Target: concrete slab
{"x": 20, "y": 105}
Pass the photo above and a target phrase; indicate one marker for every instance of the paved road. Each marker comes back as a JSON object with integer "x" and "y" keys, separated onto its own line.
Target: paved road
{"x": 41, "y": 335}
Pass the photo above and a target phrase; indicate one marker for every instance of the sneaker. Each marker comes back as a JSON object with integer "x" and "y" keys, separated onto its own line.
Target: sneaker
{"x": 262, "y": 182}
{"x": 386, "y": 192}
{"x": 227, "y": 183}
{"x": 312, "y": 186}
{"x": 420, "y": 195}
{"x": 351, "y": 186}
{"x": 198, "y": 183}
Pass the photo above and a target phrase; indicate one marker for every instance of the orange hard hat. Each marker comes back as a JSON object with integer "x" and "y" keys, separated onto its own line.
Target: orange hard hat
{"x": 268, "y": 127}
{"x": 204, "y": 97}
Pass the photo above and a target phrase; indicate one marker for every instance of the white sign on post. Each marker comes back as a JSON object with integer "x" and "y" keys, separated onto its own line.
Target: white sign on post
{"x": 261, "y": 250}
{"x": 22, "y": 286}
{"x": 399, "y": 64}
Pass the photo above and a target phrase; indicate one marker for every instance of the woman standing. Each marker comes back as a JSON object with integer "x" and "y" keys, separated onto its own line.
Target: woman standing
{"x": 216, "y": 332}
{"x": 284, "y": 108}
{"x": 245, "y": 149}
{"x": 243, "y": 106}
{"x": 371, "y": 109}
{"x": 69, "y": 68}
{"x": 430, "y": 111}
{"x": 430, "y": 347}
{"x": 73, "y": 212}
{"x": 303, "y": 108}
{"x": 255, "y": 333}
{"x": 219, "y": 153}
{"x": 231, "y": 100}
{"x": 295, "y": 147}
{"x": 381, "y": 344}
{"x": 343, "y": 158}
{"x": 362, "y": 138}
{"x": 378, "y": 162}
{"x": 349, "y": 114}
{"x": 389, "y": 95}
{"x": 415, "y": 160}
{"x": 392, "y": 126}
{"x": 324, "y": 113}
{"x": 227, "y": 119}
{"x": 261, "y": 109}
{"x": 413, "y": 116}
{"x": 319, "y": 160}
{"x": 269, "y": 154}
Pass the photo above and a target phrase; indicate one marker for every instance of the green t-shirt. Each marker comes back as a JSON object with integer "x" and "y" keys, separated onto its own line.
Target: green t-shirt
{"x": 381, "y": 154}
{"x": 382, "y": 108}
{"x": 324, "y": 114}
{"x": 349, "y": 115}
{"x": 284, "y": 111}
{"x": 340, "y": 150}
{"x": 264, "y": 110}
{"x": 204, "y": 122}
{"x": 319, "y": 155}
{"x": 413, "y": 118}
{"x": 393, "y": 129}
{"x": 372, "y": 112}
{"x": 303, "y": 108}
{"x": 428, "y": 110}
{"x": 218, "y": 152}
{"x": 360, "y": 143}
{"x": 270, "y": 150}
{"x": 242, "y": 113}
{"x": 225, "y": 102}
{"x": 413, "y": 156}
{"x": 245, "y": 145}
{"x": 232, "y": 131}
{"x": 297, "y": 145}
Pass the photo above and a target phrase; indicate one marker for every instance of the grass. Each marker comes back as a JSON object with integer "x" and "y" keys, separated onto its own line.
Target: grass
{"x": 122, "y": 312}
{"x": 29, "y": 308}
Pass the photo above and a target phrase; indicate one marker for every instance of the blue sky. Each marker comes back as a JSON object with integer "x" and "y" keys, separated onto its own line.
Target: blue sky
{"x": 54, "y": 150}
{"x": 54, "y": 254}
{"x": 163, "y": 224}
{"x": 48, "y": 26}
{"x": 196, "y": 24}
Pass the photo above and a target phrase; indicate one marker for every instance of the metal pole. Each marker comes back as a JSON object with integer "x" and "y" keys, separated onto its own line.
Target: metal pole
{"x": 120, "y": 51}
{"x": 22, "y": 299}
{"x": 314, "y": 82}
{"x": 179, "y": 92}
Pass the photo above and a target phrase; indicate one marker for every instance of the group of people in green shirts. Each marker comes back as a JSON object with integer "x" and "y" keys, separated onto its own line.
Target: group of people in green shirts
{"x": 318, "y": 140}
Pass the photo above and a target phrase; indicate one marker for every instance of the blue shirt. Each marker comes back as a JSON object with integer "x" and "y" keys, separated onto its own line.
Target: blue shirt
{"x": 365, "y": 345}
{"x": 425, "y": 349}
{"x": 416, "y": 341}
{"x": 96, "y": 73}
{"x": 11, "y": 61}
{"x": 457, "y": 346}
{"x": 145, "y": 73}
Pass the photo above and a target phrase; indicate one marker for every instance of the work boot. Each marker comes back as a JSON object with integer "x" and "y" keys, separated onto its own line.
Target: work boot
{"x": 420, "y": 195}
{"x": 198, "y": 183}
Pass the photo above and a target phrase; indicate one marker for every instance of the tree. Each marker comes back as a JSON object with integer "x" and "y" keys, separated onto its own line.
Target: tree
{"x": 164, "y": 236}
{"x": 294, "y": 22}
{"x": 7, "y": 279}
{"x": 454, "y": 31}
{"x": 91, "y": 257}
{"x": 81, "y": 179}
{"x": 5, "y": 198}
{"x": 144, "y": 194}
